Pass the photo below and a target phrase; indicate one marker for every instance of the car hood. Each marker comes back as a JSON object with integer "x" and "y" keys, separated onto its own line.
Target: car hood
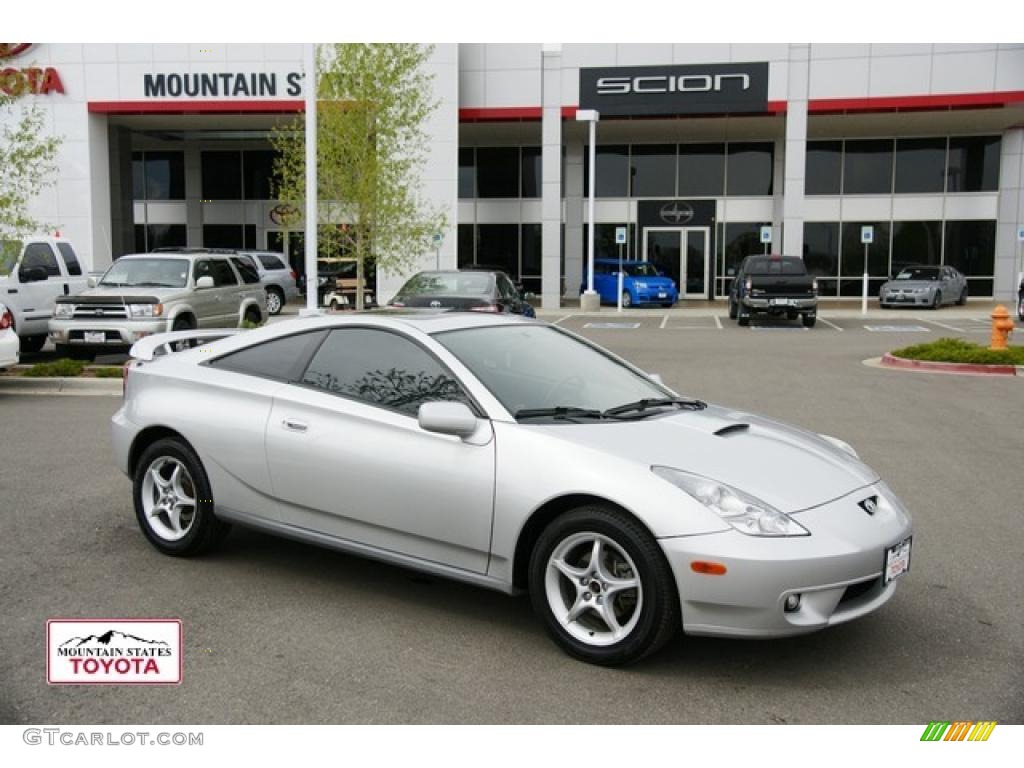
{"x": 790, "y": 468}
{"x": 904, "y": 284}
{"x": 143, "y": 292}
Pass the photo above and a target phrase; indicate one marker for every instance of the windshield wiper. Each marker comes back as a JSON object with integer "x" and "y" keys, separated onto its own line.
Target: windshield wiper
{"x": 559, "y": 412}
{"x": 641, "y": 407}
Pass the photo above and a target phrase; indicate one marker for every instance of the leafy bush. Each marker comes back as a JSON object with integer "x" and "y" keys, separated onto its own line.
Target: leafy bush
{"x": 63, "y": 367}
{"x": 109, "y": 372}
{"x": 948, "y": 350}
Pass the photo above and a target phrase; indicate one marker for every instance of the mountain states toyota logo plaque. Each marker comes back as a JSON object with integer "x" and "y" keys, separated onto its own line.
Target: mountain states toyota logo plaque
{"x": 114, "y": 652}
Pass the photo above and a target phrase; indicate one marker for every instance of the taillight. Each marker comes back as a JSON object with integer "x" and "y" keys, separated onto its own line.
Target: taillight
{"x": 295, "y": 275}
{"x": 6, "y": 320}
{"x": 486, "y": 308}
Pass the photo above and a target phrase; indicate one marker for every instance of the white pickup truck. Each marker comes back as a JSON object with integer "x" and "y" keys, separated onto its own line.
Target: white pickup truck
{"x": 33, "y": 273}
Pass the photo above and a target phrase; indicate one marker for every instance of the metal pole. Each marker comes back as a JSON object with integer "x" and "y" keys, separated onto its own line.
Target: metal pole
{"x": 864, "y": 291}
{"x": 311, "y": 196}
{"x": 621, "y": 278}
{"x": 590, "y": 207}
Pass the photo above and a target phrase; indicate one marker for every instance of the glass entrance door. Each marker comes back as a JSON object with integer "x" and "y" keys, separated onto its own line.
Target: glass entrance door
{"x": 682, "y": 253}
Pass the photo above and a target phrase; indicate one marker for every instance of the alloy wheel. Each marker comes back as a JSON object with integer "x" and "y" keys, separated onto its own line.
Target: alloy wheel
{"x": 169, "y": 498}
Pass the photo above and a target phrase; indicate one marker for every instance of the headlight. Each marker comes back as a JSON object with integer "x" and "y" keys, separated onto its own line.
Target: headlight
{"x": 740, "y": 510}
{"x": 145, "y": 310}
{"x": 64, "y": 310}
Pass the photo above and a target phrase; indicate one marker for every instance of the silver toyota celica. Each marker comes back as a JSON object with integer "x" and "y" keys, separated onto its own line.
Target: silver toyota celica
{"x": 514, "y": 455}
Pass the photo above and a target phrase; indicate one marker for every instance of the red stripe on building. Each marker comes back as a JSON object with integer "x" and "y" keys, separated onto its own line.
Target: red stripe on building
{"x": 178, "y": 107}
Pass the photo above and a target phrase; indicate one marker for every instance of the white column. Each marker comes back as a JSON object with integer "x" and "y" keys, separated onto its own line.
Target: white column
{"x": 575, "y": 247}
{"x": 551, "y": 177}
{"x": 796, "y": 150}
{"x": 1011, "y": 216}
{"x": 312, "y": 219}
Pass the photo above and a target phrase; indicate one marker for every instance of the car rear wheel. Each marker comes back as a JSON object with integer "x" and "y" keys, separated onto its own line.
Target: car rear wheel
{"x": 809, "y": 321}
{"x": 627, "y": 300}
{"x": 275, "y": 301}
{"x": 174, "y": 502}
{"x": 601, "y": 585}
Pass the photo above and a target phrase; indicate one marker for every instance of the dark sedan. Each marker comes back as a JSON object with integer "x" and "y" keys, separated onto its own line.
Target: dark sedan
{"x": 477, "y": 291}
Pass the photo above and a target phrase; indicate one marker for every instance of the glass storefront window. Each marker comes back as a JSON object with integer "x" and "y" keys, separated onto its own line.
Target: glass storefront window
{"x": 701, "y": 170}
{"x": 821, "y": 248}
{"x": 824, "y": 167}
{"x": 742, "y": 239}
{"x": 973, "y": 164}
{"x": 971, "y": 248}
{"x": 158, "y": 175}
{"x": 612, "y": 171}
{"x": 467, "y": 173}
{"x": 531, "y": 160}
{"x": 149, "y": 238}
{"x": 530, "y": 239}
{"x": 605, "y": 246}
{"x": 920, "y": 165}
{"x": 915, "y": 242}
{"x": 222, "y": 175}
{"x": 867, "y": 167}
{"x": 465, "y": 245}
{"x": 749, "y": 169}
{"x": 852, "y": 259}
{"x": 497, "y": 172}
{"x": 258, "y": 165}
{"x": 653, "y": 170}
{"x": 223, "y": 236}
{"x": 497, "y": 245}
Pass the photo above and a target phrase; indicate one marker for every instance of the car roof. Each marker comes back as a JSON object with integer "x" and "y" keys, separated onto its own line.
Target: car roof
{"x": 607, "y": 260}
{"x": 183, "y": 253}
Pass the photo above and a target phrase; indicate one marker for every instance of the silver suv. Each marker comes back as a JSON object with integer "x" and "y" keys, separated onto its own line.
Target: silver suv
{"x": 143, "y": 294}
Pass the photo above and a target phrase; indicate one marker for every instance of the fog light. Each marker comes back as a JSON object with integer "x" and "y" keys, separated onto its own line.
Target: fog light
{"x": 792, "y": 603}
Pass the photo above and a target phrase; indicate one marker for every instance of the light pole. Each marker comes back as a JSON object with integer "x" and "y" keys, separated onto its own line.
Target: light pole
{"x": 589, "y": 301}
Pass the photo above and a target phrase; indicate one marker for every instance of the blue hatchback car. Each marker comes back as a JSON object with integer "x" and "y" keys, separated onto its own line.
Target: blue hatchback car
{"x": 642, "y": 283}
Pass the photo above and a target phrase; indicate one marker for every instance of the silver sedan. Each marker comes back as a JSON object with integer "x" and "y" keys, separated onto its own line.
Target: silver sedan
{"x": 924, "y": 286}
{"x": 513, "y": 455}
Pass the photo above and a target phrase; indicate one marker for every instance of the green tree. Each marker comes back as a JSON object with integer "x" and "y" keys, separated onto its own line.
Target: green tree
{"x": 372, "y": 103}
{"x": 27, "y": 166}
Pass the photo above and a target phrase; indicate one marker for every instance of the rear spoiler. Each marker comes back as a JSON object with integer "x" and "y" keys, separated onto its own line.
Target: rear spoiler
{"x": 167, "y": 343}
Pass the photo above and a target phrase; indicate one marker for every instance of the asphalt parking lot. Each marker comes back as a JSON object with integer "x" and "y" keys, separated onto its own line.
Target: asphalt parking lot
{"x": 282, "y": 632}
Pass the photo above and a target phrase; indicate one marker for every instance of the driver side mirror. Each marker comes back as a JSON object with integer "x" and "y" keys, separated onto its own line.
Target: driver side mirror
{"x": 32, "y": 274}
{"x": 204, "y": 282}
{"x": 447, "y": 418}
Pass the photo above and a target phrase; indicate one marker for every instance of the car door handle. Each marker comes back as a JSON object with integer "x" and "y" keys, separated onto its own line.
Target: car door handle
{"x": 294, "y": 425}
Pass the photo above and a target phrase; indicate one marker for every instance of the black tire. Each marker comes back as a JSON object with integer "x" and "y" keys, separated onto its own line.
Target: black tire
{"x": 30, "y": 345}
{"x": 627, "y": 300}
{"x": 649, "y": 625}
{"x": 252, "y": 315}
{"x": 204, "y": 530}
{"x": 1020, "y": 309}
{"x": 275, "y": 300}
{"x": 733, "y": 311}
{"x": 963, "y": 297}
{"x": 182, "y": 323}
{"x": 742, "y": 316}
{"x": 937, "y": 301}
{"x": 810, "y": 320}
{"x": 73, "y": 352}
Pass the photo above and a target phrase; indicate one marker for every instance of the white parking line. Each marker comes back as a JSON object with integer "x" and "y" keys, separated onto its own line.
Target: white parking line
{"x": 664, "y": 322}
{"x": 831, "y": 325}
{"x": 941, "y": 325}
{"x": 564, "y": 317}
{"x": 718, "y": 322}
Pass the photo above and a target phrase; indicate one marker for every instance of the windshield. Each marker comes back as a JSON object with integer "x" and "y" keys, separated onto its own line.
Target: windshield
{"x": 447, "y": 284}
{"x": 152, "y": 273}
{"x": 919, "y": 273}
{"x": 776, "y": 266}
{"x": 643, "y": 269}
{"x": 9, "y": 252}
{"x": 539, "y": 366}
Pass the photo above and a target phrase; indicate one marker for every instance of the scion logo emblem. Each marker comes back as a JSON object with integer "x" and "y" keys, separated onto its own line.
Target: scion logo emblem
{"x": 9, "y": 50}
{"x": 676, "y": 213}
{"x": 869, "y": 505}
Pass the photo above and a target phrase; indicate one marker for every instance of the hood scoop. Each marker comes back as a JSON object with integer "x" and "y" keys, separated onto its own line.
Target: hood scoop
{"x": 731, "y": 429}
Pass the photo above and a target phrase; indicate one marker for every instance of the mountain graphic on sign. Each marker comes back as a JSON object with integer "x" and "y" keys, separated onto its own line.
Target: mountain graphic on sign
{"x": 110, "y": 637}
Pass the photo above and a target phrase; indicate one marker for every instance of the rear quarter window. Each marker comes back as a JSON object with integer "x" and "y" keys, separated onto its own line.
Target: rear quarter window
{"x": 283, "y": 359}
{"x": 270, "y": 262}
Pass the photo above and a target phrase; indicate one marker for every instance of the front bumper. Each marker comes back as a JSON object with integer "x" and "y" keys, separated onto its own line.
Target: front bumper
{"x": 906, "y": 300}
{"x": 116, "y": 333}
{"x": 780, "y": 305}
{"x": 837, "y": 571}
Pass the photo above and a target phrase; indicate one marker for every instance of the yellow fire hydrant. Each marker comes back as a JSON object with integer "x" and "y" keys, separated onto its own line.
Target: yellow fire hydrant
{"x": 1001, "y": 327}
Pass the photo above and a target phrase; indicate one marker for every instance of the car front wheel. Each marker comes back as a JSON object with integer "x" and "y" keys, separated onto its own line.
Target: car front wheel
{"x": 173, "y": 500}
{"x": 600, "y": 583}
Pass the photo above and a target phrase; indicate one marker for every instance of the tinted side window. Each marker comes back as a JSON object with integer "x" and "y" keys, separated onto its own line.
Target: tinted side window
{"x": 381, "y": 368}
{"x": 246, "y": 269}
{"x": 283, "y": 359}
{"x": 70, "y": 260}
{"x": 222, "y": 274}
{"x": 41, "y": 255}
{"x": 505, "y": 288}
{"x": 270, "y": 262}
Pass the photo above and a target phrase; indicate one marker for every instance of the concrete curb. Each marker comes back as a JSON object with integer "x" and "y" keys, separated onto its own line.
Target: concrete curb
{"x": 25, "y": 385}
{"x": 888, "y": 361}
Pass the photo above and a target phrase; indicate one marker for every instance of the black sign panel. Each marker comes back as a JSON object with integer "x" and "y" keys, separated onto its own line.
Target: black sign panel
{"x": 675, "y": 213}
{"x": 675, "y": 90}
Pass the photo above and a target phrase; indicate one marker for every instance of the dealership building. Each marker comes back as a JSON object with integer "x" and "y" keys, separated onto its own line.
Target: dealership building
{"x": 699, "y": 148}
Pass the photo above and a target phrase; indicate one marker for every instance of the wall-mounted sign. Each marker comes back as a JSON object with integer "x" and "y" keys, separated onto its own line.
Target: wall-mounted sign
{"x": 221, "y": 85}
{"x": 675, "y": 213}
{"x": 16, "y": 82}
{"x": 675, "y": 90}
{"x": 766, "y": 235}
{"x": 620, "y": 235}
{"x": 867, "y": 235}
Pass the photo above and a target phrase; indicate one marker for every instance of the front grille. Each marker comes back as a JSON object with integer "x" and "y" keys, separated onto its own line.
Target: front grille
{"x": 100, "y": 312}
{"x": 859, "y": 589}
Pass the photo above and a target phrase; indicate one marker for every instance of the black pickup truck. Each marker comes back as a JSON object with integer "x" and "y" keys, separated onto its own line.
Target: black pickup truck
{"x": 773, "y": 285}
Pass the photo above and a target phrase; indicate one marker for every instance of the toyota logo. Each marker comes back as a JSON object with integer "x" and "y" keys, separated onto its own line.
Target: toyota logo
{"x": 283, "y": 214}
{"x": 676, "y": 213}
{"x": 9, "y": 50}
{"x": 98, "y": 313}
